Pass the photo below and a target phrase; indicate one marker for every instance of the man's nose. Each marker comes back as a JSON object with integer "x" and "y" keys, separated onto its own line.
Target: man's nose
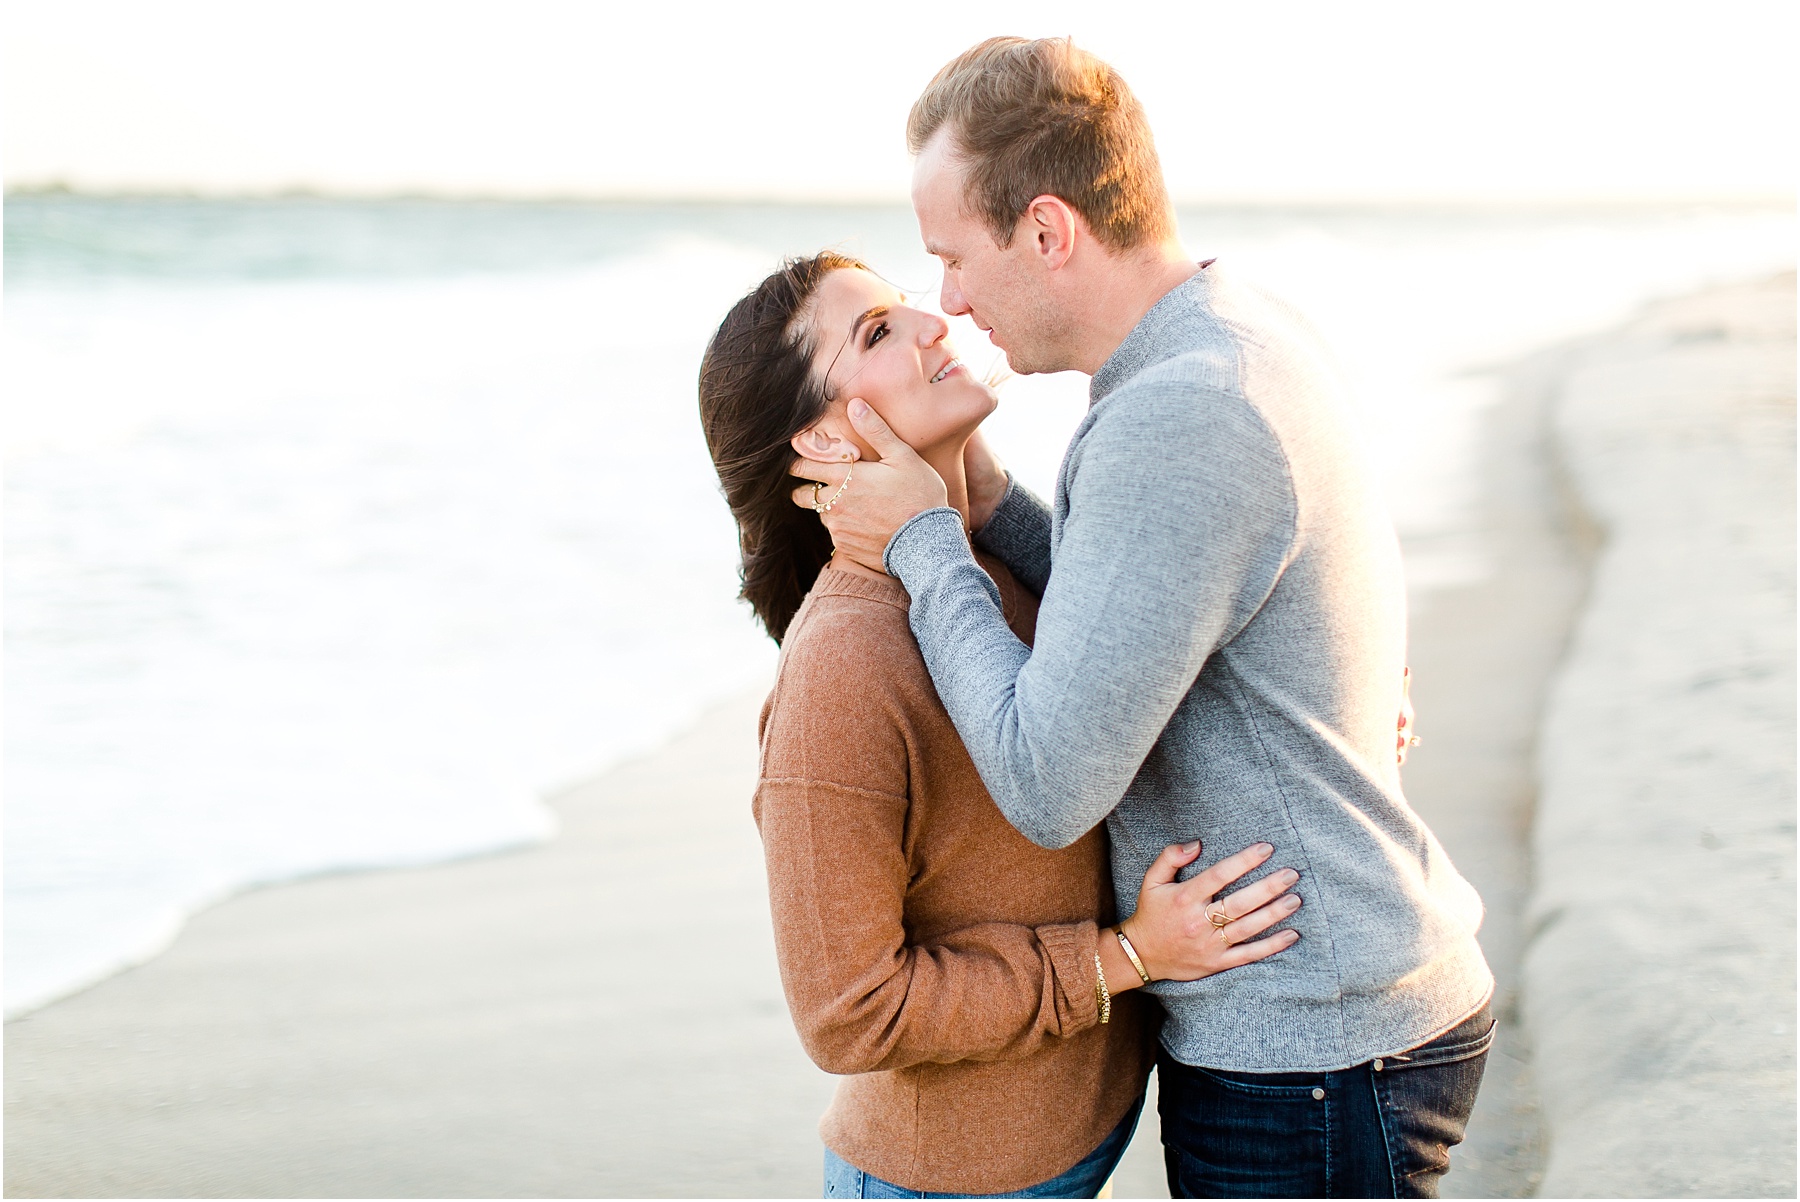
{"x": 950, "y": 300}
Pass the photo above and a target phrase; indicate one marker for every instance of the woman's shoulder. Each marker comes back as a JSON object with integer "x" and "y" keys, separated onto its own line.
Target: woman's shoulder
{"x": 851, "y": 692}
{"x": 850, "y": 626}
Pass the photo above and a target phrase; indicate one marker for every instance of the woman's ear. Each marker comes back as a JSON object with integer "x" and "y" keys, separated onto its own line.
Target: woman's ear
{"x": 821, "y": 445}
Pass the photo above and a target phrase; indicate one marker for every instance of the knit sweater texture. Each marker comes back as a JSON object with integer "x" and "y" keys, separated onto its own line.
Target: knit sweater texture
{"x": 1218, "y": 656}
{"x": 936, "y": 958}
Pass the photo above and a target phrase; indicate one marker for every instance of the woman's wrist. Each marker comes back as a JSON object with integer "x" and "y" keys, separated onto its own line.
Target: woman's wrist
{"x": 1121, "y": 975}
{"x": 1131, "y": 953}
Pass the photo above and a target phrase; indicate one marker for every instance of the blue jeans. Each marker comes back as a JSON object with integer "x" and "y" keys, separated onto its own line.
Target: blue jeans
{"x": 845, "y": 1180}
{"x": 1377, "y": 1130}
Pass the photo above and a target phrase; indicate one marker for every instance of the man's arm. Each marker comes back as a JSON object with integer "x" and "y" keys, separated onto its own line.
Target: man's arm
{"x": 1018, "y": 532}
{"x": 1181, "y": 519}
{"x": 1008, "y": 519}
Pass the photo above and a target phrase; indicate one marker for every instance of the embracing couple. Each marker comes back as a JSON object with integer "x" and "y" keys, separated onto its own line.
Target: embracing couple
{"x": 1026, "y": 763}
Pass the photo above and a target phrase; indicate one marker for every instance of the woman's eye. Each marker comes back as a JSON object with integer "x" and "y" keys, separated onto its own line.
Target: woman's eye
{"x": 878, "y": 333}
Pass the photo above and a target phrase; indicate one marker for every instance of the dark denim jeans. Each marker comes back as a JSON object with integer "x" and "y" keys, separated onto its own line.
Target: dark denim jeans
{"x": 845, "y": 1180}
{"x": 1377, "y": 1130}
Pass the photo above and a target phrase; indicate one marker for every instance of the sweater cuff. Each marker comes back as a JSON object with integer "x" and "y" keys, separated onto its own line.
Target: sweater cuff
{"x": 934, "y": 536}
{"x": 1018, "y": 522}
{"x": 1071, "y": 948}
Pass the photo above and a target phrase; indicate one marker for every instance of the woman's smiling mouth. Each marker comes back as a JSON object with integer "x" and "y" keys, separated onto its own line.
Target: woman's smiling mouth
{"x": 947, "y": 369}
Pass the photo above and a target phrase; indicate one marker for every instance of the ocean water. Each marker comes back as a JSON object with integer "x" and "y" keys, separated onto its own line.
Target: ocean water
{"x": 338, "y": 534}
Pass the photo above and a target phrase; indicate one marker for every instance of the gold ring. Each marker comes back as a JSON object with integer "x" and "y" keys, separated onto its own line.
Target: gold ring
{"x": 1218, "y": 918}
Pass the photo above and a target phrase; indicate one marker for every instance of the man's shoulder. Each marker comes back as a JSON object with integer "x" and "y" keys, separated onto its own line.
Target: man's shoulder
{"x": 1193, "y": 403}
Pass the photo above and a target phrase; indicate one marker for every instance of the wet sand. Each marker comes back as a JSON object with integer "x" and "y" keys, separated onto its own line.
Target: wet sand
{"x": 597, "y": 1016}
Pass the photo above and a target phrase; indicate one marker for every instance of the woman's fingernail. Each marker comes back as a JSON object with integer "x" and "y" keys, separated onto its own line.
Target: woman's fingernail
{"x": 1264, "y": 849}
{"x": 1292, "y": 936}
{"x": 1289, "y": 876}
{"x": 858, "y": 407}
{"x": 1290, "y": 902}
{"x": 1190, "y": 847}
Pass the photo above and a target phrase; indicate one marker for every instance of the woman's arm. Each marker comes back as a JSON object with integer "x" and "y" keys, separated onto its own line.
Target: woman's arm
{"x": 862, "y": 997}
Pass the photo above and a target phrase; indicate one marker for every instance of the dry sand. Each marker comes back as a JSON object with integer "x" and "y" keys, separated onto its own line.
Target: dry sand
{"x": 1659, "y": 982}
{"x": 601, "y": 1015}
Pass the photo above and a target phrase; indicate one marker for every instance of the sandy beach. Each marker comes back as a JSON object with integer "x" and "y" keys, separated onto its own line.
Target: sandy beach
{"x": 601, "y": 1016}
{"x": 1659, "y": 981}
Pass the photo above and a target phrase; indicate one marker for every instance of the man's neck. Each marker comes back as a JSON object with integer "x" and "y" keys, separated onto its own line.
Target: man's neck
{"x": 1121, "y": 290}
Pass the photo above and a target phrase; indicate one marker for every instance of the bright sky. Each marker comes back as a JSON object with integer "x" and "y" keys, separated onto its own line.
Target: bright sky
{"x": 1259, "y": 99}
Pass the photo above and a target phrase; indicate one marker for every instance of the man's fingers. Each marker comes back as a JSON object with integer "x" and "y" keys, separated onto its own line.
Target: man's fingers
{"x": 826, "y": 477}
{"x": 1262, "y": 949}
{"x": 870, "y": 425}
{"x": 830, "y": 472}
{"x": 1214, "y": 879}
{"x": 1172, "y": 860}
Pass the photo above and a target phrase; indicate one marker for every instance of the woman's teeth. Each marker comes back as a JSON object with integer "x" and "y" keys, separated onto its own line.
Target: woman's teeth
{"x": 948, "y": 368}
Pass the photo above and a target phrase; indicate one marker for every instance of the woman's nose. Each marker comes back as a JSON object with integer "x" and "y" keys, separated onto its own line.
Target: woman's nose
{"x": 933, "y": 330}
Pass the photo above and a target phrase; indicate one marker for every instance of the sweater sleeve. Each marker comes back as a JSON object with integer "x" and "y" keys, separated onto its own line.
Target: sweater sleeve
{"x": 833, "y": 812}
{"x": 1181, "y": 518}
{"x": 865, "y": 999}
{"x": 1018, "y": 533}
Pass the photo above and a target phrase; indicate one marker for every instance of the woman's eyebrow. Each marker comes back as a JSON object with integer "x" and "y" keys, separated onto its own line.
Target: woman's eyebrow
{"x": 877, "y": 311}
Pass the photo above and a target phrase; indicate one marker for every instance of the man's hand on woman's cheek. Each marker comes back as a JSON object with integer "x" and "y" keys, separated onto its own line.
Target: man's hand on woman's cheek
{"x": 863, "y": 504}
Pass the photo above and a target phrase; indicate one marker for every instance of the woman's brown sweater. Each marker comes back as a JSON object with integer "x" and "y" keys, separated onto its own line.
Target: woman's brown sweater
{"x": 930, "y": 953}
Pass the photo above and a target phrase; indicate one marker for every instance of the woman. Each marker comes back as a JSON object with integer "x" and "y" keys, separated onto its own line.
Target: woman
{"x": 965, "y": 981}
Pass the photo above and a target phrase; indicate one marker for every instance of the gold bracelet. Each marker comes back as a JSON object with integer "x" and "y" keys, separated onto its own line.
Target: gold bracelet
{"x": 1131, "y": 953}
{"x": 1101, "y": 994}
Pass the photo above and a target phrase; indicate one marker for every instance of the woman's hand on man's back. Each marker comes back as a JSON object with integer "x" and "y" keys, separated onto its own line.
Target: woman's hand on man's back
{"x": 1184, "y": 931}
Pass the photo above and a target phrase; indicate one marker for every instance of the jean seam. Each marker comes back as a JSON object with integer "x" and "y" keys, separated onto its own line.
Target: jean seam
{"x": 1379, "y": 1089}
{"x": 1429, "y": 1057}
{"x": 1330, "y": 1177}
{"x": 1260, "y": 1091}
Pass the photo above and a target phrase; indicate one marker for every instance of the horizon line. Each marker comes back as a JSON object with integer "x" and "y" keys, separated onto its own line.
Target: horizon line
{"x": 622, "y": 197}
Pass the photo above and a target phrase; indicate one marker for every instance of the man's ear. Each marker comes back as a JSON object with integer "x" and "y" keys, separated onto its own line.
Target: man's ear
{"x": 821, "y": 445}
{"x": 1053, "y": 227}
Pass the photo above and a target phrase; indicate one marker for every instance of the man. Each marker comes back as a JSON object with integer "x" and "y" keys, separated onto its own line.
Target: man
{"x": 1220, "y": 648}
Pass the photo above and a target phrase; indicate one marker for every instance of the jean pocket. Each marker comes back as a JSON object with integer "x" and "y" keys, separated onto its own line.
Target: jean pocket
{"x": 1273, "y": 1086}
{"x": 1468, "y": 1039}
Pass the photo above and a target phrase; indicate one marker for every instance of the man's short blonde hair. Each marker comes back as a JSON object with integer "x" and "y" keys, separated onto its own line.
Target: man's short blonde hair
{"x": 1044, "y": 117}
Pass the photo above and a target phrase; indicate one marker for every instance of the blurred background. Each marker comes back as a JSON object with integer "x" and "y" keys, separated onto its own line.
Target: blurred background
{"x": 354, "y": 495}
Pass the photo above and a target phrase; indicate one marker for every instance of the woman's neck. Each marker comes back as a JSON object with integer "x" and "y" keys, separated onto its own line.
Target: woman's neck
{"x": 947, "y": 462}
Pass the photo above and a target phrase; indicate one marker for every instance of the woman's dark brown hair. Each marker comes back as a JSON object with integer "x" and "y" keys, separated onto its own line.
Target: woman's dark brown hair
{"x": 757, "y": 391}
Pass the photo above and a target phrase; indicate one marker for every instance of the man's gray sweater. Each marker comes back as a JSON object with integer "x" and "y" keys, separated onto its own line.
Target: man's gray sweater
{"x": 1218, "y": 656}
